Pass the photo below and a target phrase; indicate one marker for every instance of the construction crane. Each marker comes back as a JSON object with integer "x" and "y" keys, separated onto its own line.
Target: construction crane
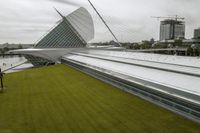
{"x": 176, "y": 17}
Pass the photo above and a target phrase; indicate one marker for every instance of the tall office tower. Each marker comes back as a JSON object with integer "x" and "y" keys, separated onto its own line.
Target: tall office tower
{"x": 197, "y": 33}
{"x": 172, "y": 29}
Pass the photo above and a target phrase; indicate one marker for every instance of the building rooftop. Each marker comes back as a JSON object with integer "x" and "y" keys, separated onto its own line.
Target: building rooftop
{"x": 181, "y": 74}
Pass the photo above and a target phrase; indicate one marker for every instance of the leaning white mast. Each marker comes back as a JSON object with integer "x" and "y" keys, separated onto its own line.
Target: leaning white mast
{"x": 104, "y": 22}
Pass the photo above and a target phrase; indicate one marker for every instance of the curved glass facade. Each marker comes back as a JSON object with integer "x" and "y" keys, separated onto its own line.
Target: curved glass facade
{"x": 74, "y": 30}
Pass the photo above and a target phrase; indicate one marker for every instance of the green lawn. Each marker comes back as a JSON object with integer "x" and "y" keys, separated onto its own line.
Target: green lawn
{"x": 59, "y": 99}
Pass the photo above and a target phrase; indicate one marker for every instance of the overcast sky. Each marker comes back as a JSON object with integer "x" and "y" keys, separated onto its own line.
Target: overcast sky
{"x": 26, "y": 21}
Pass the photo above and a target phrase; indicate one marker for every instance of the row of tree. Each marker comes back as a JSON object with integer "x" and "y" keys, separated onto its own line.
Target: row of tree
{"x": 6, "y": 49}
{"x": 152, "y": 45}
{"x": 192, "y": 50}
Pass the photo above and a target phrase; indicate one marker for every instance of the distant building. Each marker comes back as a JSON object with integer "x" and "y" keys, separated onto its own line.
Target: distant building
{"x": 197, "y": 33}
{"x": 172, "y": 29}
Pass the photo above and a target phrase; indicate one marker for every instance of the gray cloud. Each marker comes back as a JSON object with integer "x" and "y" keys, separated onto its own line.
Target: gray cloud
{"x": 26, "y": 21}
{"x": 67, "y": 2}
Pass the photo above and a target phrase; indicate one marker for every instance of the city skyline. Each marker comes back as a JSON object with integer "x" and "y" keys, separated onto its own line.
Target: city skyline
{"x": 25, "y": 21}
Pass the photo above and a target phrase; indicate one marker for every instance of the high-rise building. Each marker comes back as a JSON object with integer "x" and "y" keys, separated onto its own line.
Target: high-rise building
{"x": 172, "y": 29}
{"x": 197, "y": 33}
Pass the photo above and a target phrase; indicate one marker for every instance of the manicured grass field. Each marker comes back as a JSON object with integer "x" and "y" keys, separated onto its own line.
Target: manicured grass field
{"x": 59, "y": 99}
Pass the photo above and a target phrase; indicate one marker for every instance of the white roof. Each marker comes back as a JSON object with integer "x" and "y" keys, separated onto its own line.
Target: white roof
{"x": 181, "y": 82}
